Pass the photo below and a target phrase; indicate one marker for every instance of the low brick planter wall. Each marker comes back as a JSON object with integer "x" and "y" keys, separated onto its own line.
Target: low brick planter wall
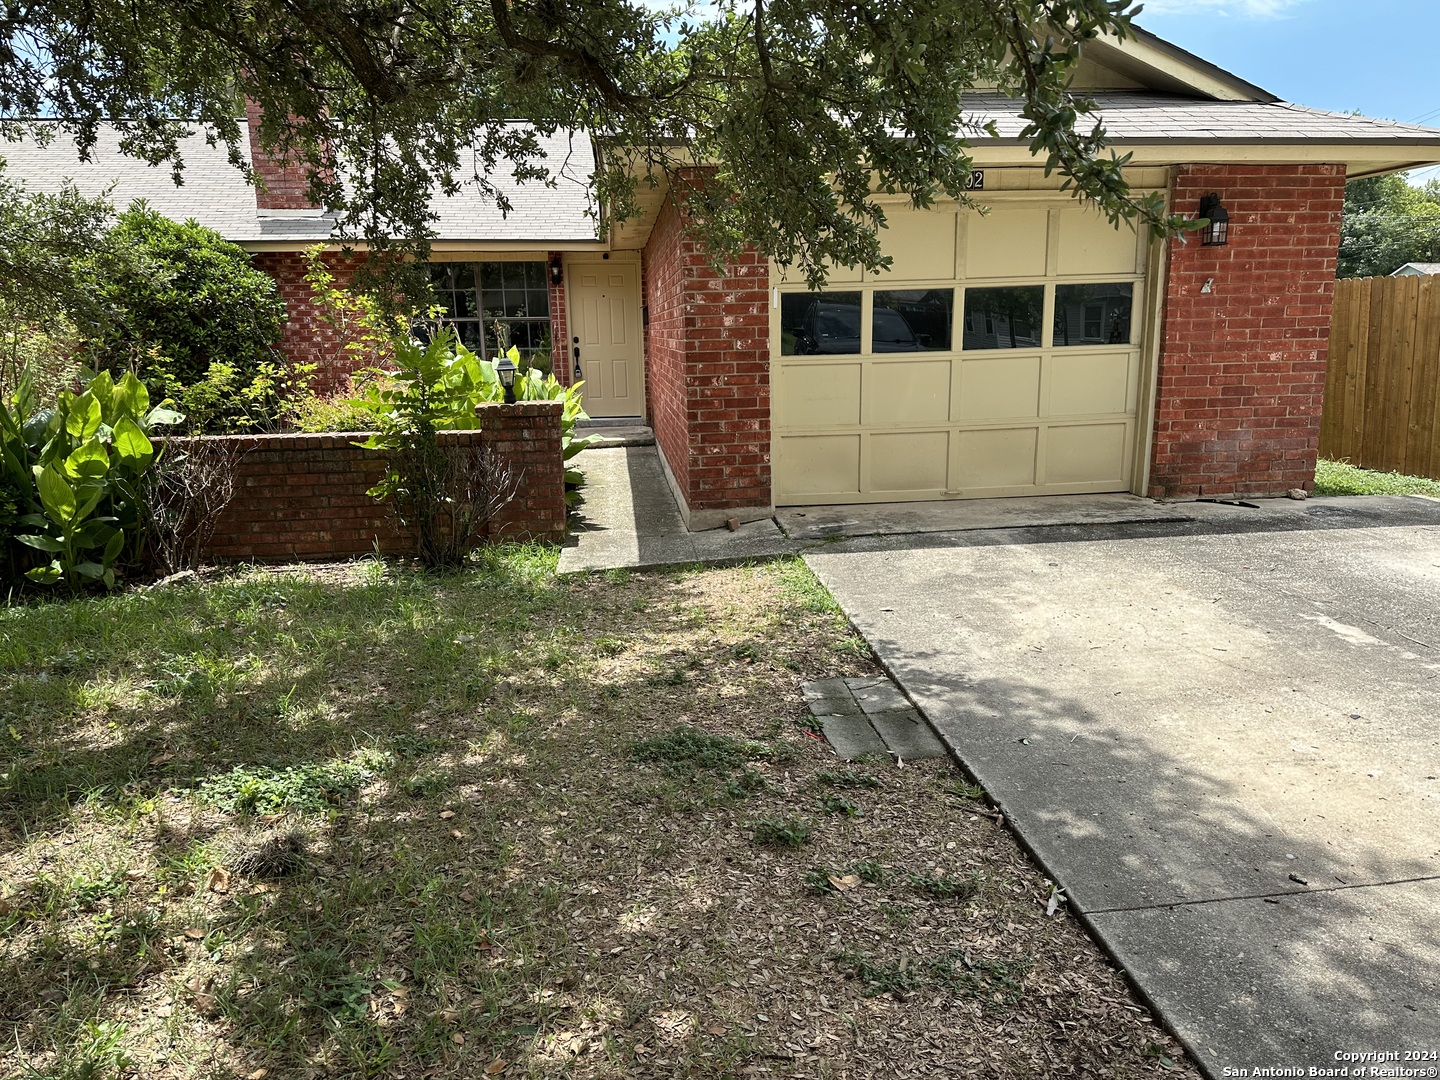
{"x": 303, "y": 496}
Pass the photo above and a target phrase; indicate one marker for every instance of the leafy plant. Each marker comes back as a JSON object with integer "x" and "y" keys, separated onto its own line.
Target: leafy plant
{"x": 836, "y": 804}
{"x": 88, "y": 455}
{"x": 446, "y": 494}
{"x": 304, "y": 788}
{"x": 781, "y": 832}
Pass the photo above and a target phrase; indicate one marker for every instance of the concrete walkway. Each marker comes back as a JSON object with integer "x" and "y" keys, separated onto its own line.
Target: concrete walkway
{"x": 630, "y": 520}
{"x": 1221, "y": 736}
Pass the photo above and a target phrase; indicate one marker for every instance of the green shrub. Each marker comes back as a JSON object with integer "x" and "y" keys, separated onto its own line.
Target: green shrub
{"x": 180, "y": 301}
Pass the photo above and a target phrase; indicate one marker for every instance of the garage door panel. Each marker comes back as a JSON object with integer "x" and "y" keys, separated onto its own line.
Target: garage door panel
{"x": 1086, "y": 454}
{"x": 996, "y": 457}
{"x": 819, "y": 465}
{"x": 909, "y": 461}
{"x": 1087, "y": 384}
{"x": 922, "y": 245}
{"x": 819, "y": 395}
{"x": 999, "y": 388}
{"x": 1089, "y": 244}
{"x": 907, "y": 392}
{"x": 1006, "y": 244}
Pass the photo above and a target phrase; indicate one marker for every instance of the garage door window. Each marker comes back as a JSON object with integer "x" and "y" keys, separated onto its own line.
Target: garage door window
{"x": 1006, "y": 318}
{"x": 1093, "y": 314}
{"x": 820, "y": 324}
{"x": 912, "y": 320}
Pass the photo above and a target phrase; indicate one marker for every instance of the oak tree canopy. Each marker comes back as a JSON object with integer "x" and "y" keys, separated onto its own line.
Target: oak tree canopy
{"x": 807, "y": 108}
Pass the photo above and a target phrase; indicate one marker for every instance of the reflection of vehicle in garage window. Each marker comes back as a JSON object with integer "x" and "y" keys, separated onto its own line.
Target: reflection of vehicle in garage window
{"x": 833, "y": 328}
{"x": 889, "y": 332}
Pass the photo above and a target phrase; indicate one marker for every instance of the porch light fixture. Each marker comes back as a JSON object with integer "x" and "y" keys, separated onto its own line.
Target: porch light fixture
{"x": 1217, "y": 232}
{"x": 557, "y": 271}
{"x": 505, "y": 370}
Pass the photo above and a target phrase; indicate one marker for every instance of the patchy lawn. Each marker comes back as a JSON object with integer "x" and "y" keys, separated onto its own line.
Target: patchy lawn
{"x": 353, "y": 821}
{"x": 1342, "y": 478}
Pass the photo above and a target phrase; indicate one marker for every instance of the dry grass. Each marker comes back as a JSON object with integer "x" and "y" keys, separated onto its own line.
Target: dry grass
{"x": 356, "y": 822}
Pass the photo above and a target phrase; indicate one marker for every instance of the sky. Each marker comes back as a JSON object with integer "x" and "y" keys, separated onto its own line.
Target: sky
{"x": 1377, "y": 56}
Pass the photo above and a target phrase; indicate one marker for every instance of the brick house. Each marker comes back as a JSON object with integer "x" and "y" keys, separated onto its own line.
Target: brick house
{"x": 1028, "y": 350}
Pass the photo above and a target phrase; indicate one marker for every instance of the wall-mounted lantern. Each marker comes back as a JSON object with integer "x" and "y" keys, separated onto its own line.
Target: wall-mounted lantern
{"x": 557, "y": 271}
{"x": 1217, "y": 232}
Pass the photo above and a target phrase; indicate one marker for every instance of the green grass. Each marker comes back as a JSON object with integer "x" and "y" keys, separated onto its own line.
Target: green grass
{"x": 1342, "y": 478}
{"x": 358, "y": 821}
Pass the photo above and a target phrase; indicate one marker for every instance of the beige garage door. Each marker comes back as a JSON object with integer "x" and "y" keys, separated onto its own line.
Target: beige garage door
{"x": 999, "y": 356}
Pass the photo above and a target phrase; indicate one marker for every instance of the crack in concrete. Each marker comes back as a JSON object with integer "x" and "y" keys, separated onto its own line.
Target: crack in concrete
{"x": 1166, "y": 905}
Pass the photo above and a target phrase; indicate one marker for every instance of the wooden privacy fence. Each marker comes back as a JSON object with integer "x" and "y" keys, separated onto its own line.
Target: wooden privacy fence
{"x": 1382, "y": 388}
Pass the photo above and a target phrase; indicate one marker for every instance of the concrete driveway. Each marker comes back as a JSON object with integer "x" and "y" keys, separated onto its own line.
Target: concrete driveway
{"x": 1221, "y": 736}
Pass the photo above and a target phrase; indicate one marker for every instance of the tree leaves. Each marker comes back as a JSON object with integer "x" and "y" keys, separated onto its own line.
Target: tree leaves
{"x": 805, "y": 114}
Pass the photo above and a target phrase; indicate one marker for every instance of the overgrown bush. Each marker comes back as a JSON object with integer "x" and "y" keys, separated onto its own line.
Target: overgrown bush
{"x": 182, "y": 308}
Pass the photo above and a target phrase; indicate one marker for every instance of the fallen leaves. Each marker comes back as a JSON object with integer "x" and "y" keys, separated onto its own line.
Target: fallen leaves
{"x": 218, "y": 880}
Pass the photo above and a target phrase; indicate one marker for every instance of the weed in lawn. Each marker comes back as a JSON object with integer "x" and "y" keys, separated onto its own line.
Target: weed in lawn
{"x": 407, "y": 744}
{"x": 608, "y": 646}
{"x": 846, "y": 778}
{"x": 687, "y": 749}
{"x": 958, "y": 785}
{"x": 95, "y": 1054}
{"x": 877, "y": 978}
{"x": 424, "y": 785}
{"x": 944, "y": 888}
{"x": 748, "y": 782}
{"x": 838, "y": 804}
{"x": 783, "y": 832}
{"x": 854, "y": 647}
{"x": 870, "y": 872}
{"x": 996, "y": 984}
{"x": 818, "y": 883}
{"x": 898, "y": 915}
{"x": 298, "y": 788}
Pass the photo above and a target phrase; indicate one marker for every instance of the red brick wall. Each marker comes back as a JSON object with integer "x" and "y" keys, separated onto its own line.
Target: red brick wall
{"x": 1242, "y": 367}
{"x": 306, "y": 337}
{"x": 709, "y": 368}
{"x": 667, "y": 304}
{"x": 283, "y": 186}
{"x": 559, "y": 329}
{"x": 303, "y": 496}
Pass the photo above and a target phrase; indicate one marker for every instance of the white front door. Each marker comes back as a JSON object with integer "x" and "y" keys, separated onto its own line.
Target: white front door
{"x": 606, "y": 339}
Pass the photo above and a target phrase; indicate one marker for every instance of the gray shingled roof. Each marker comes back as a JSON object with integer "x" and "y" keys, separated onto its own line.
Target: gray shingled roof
{"x": 1141, "y": 118}
{"x": 214, "y": 193}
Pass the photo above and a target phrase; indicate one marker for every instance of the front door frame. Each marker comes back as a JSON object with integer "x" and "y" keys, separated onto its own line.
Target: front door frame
{"x": 572, "y": 263}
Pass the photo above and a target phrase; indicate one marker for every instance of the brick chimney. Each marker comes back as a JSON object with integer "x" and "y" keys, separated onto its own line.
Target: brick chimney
{"x": 286, "y": 186}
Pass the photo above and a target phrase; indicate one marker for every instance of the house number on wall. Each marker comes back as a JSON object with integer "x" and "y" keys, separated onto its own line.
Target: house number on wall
{"x": 976, "y": 181}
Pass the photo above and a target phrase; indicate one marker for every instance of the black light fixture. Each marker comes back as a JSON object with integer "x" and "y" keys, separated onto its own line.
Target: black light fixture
{"x": 557, "y": 270}
{"x": 505, "y": 370}
{"x": 1217, "y": 232}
